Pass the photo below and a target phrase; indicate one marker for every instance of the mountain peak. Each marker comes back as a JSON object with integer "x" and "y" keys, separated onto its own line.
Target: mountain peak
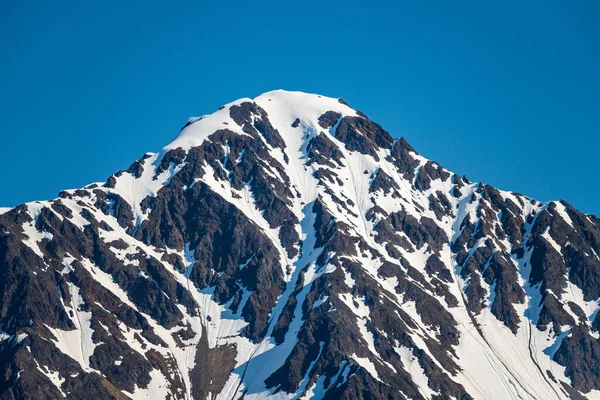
{"x": 284, "y": 106}
{"x": 289, "y": 247}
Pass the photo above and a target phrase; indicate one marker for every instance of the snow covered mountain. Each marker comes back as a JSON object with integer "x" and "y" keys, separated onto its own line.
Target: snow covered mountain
{"x": 288, "y": 247}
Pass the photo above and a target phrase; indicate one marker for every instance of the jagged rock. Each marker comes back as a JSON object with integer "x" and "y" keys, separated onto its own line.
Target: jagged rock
{"x": 288, "y": 246}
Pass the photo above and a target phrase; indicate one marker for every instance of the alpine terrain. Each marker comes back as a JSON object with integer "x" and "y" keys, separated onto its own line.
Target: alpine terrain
{"x": 288, "y": 247}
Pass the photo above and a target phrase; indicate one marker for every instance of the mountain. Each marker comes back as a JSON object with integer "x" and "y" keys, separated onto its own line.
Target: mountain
{"x": 288, "y": 247}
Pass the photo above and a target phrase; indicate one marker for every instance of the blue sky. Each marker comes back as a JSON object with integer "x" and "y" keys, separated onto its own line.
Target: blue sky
{"x": 504, "y": 92}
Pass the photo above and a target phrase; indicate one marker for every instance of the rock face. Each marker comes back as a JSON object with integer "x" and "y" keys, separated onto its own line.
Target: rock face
{"x": 289, "y": 247}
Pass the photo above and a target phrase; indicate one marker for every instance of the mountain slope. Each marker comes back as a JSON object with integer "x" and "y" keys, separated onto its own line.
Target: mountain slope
{"x": 289, "y": 247}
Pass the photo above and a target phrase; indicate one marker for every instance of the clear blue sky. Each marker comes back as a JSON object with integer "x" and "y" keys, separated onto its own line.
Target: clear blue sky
{"x": 504, "y": 92}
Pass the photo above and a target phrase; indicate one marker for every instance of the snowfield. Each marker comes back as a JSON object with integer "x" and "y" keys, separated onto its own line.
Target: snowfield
{"x": 441, "y": 286}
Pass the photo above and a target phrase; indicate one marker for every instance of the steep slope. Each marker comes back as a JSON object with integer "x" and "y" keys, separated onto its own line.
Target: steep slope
{"x": 289, "y": 247}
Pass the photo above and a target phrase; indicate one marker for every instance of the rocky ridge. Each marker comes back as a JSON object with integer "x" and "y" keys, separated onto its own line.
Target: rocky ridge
{"x": 289, "y": 247}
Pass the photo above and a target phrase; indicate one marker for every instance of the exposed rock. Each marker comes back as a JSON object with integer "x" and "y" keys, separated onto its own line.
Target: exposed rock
{"x": 362, "y": 135}
{"x": 329, "y": 119}
{"x": 430, "y": 172}
{"x": 281, "y": 262}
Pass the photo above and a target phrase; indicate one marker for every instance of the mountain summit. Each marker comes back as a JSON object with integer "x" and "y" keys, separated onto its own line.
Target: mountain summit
{"x": 288, "y": 247}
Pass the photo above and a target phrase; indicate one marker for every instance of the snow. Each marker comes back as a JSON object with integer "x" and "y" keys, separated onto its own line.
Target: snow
{"x": 196, "y": 133}
{"x": 242, "y": 266}
{"x": 54, "y": 378}
{"x": 367, "y": 335}
{"x": 348, "y": 280}
{"x": 575, "y": 294}
{"x": 356, "y": 305}
{"x": 494, "y": 362}
{"x": 283, "y": 107}
{"x": 266, "y": 353}
{"x": 497, "y": 371}
{"x": 318, "y": 389}
{"x": 412, "y": 366}
{"x": 551, "y": 241}
{"x": 562, "y": 211}
{"x": 20, "y": 338}
{"x": 320, "y": 301}
{"x": 282, "y": 110}
{"x": 304, "y": 383}
{"x": 133, "y": 190}
{"x": 367, "y": 364}
{"x": 188, "y": 256}
{"x": 35, "y": 236}
{"x": 77, "y": 343}
{"x": 157, "y": 388}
